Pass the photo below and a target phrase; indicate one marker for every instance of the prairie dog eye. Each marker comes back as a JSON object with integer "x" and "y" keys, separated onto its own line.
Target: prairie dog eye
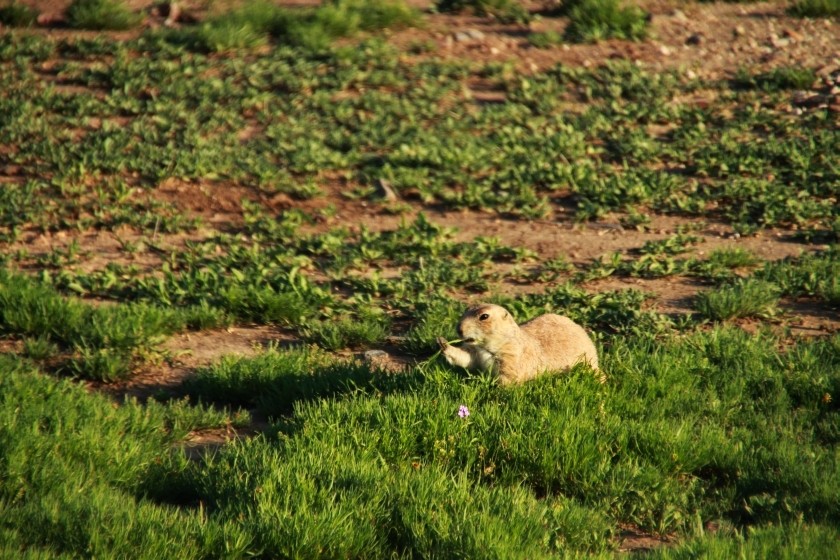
{"x": 484, "y": 317}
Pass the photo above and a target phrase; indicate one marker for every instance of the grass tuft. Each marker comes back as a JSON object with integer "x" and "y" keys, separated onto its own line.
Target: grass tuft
{"x": 101, "y": 15}
{"x": 744, "y": 298}
{"x": 595, "y": 20}
{"x": 545, "y": 39}
{"x": 102, "y": 340}
{"x": 777, "y": 79}
{"x": 16, "y": 14}
{"x": 812, "y": 274}
{"x": 508, "y": 11}
{"x": 815, "y": 8}
{"x": 336, "y": 333}
{"x": 254, "y": 24}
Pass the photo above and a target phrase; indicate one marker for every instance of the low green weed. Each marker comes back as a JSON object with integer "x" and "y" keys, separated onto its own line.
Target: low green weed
{"x": 379, "y": 14}
{"x": 551, "y": 270}
{"x": 508, "y": 11}
{"x": 545, "y": 39}
{"x": 224, "y": 35}
{"x": 635, "y": 148}
{"x": 106, "y": 338}
{"x": 100, "y": 364}
{"x": 252, "y": 25}
{"x": 40, "y": 348}
{"x": 720, "y": 263}
{"x": 744, "y": 298}
{"x": 72, "y": 460}
{"x": 782, "y": 78}
{"x": 814, "y": 8}
{"x": 101, "y": 15}
{"x": 812, "y": 274}
{"x": 596, "y": 20}
{"x": 16, "y": 14}
{"x": 605, "y": 313}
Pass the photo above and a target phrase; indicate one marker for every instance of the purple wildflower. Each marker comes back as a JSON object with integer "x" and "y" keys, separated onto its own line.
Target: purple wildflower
{"x": 463, "y": 411}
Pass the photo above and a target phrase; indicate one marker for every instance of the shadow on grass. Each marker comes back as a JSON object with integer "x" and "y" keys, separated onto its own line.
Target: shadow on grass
{"x": 273, "y": 382}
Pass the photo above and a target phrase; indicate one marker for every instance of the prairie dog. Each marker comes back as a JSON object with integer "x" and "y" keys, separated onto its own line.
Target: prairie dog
{"x": 517, "y": 353}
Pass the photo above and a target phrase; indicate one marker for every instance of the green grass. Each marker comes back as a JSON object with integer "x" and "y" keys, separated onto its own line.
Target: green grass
{"x": 719, "y": 426}
{"x": 15, "y": 14}
{"x": 795, "y": 541}
{"x": 256, "y": 23}
{"x": 545, "y": 39}
{"x": 596, "y": 20}
{"x": 815, "y": 8}
{"x": 361, "y": 329}
{"x": 507, "y": 11}
{"x": 102, "y": 341}
{"x": 101, "y": 15}
{"x": 744, "y": 298}
{"x": 72, "y": 461}
{"x": 698, "y": 425}
{"x": 782, "y": 78}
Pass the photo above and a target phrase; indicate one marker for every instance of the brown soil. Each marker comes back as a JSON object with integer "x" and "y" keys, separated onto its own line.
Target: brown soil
{"x": 633, "y": 539}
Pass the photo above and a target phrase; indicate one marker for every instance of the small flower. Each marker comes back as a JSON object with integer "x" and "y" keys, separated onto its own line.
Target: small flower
{"x": 463, "y": 411}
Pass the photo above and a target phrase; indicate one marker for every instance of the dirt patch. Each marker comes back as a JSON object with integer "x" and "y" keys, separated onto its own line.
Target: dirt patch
{"x": 811, "y": 318}
{"x": 200, "y": 443}
{"x": 197, "y": 349}
{"x": 633, "y": 539}
{"x": 183, "y": 354}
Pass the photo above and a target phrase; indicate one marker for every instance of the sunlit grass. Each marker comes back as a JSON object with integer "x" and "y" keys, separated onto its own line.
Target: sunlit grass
{"x": 744, "y": 298}
{"x": 717, "y": 427}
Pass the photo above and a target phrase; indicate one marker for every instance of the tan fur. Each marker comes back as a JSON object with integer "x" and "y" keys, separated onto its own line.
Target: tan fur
{"x": 548, "y": 343}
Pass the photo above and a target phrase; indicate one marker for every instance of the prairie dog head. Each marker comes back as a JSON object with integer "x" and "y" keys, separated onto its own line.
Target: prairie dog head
{"x": 488, "y": 326}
